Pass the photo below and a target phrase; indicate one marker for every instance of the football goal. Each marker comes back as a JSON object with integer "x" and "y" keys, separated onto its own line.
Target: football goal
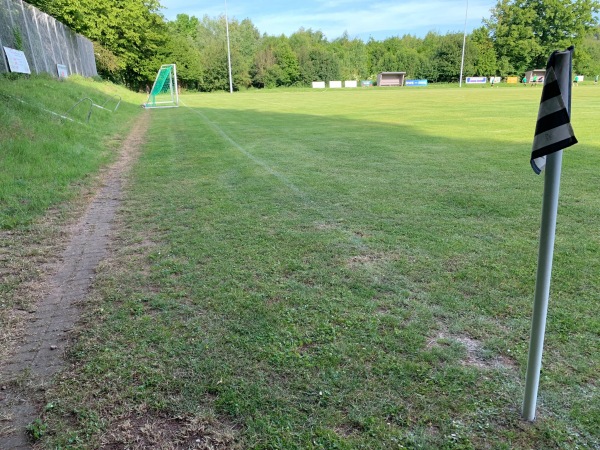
{"x": 164, "y": 93}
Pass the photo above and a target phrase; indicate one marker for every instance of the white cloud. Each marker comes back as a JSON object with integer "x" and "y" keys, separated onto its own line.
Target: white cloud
{"x": 392, "y": 17}
{"x": 333, "y": 17}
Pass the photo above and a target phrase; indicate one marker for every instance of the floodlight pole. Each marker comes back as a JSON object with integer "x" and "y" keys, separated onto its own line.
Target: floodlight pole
{"x": 462, "y": 60}
{"x": 228, "y": 50}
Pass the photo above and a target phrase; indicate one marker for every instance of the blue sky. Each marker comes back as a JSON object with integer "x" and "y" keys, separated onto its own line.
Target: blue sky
{"x": 362, "y": 19}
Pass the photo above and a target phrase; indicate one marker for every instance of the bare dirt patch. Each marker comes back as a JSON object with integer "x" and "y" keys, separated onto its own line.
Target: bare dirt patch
{"x": 368, "y": 260}
{"x": 53, "y": 266}
{"x": 169, "y": 433}
{"x": 474, "y": 352}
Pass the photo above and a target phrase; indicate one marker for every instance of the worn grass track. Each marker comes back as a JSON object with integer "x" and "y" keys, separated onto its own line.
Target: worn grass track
{"x": 340, "y": 269}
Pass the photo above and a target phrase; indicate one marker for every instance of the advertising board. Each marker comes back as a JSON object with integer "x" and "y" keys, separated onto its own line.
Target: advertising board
{"x": 415, "y": 83}
{"x": 476, "y": 80}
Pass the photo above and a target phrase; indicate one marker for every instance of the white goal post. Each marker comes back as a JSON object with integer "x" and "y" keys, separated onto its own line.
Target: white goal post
{"x": 164, "y": 93}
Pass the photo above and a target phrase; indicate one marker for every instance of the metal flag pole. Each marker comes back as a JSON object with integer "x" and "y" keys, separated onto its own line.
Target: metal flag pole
{"x": 462, "y": 60}
{"x": 546, "y": 251}
{"x": 228, "y": 50}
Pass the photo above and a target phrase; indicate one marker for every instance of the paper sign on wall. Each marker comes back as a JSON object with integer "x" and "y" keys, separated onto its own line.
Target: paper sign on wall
{"x": 17, "y": 61}
{"x": 62, "y": 70}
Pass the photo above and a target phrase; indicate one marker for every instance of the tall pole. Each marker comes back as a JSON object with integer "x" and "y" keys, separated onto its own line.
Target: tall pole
{"x": 462, "y": 60}
{"x": 546, "y": 251}
{"x": 228, "y": 50}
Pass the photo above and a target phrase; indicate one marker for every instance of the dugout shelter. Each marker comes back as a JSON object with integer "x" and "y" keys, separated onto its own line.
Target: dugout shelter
{"x": 537, "y": 74}
{"x": 390, "y": 78}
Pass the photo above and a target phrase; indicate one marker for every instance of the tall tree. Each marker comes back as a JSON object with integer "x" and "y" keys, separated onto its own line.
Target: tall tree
{"x": 526, "y": 31}
{"x": 275, "y": 63}
{"x": 181, "y": 50}
{"x": 185, "y": 25}
{"x": 352, "y": 56}
{"x": 315, "y": 56}
{"x": 245, "y": 39}
{"x": 131, "y": 30}
{"x": 211, "y": 40}
{"x": 448, "y": 56}
{"x": 560, "y": 23}
{"x": 486, "y": 62}
{"x": 511, "y": 29}
{"x": 587, "y": 61}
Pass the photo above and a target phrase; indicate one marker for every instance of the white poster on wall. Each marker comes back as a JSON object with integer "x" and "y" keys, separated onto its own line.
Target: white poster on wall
{"x": 17, "y": 61}
{"x": 62, "y": 70}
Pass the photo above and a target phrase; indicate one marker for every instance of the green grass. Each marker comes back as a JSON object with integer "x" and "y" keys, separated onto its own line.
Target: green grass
{"x": 46, "y": 159}
{"x": 343, "y": 269}
{"x": 47, "y": 167}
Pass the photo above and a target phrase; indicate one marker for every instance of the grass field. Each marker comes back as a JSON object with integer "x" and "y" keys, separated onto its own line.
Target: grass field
{"x": 339, "y": 270}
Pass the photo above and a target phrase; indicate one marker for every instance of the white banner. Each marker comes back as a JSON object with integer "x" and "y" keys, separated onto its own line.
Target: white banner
{"x": 62, "y": 70}
{"x": 476, "y": 80}
{"x": 17, "y": 61}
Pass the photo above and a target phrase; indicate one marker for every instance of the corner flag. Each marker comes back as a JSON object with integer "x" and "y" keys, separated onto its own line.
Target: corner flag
{"x": 553, "y": 130}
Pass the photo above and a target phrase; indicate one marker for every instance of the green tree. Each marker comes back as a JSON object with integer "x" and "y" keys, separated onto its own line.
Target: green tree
{"x": 215, "y": 75}
{"x": 486, "y": 62}
{"x": 265, "y": 70}
{"x": 392, "y": 55}
{"x": 108, "y": 64}
{"x": 525, "y": 32}
{"x": 352, "y": 57}
{"x": 245, "y": 39}
{"x": 181, "y": 50}
{"x": 275, "y": 63}
{"x": 185, "y": 25}
{"x": 558, "y": 24}
{"x": 587, "y": 56}
{"x": 132, "y": 31}
{"x": 211, "y": 40}
{"x": 384, "y": 56}
{"x": 511, "y": 29}
{"x": 428, "y": 50}
{"x": 322, "y": 64}
{"x": 375, "y": 53}
{"x": 316, "y": 59}
{"x": 448, "y": 58}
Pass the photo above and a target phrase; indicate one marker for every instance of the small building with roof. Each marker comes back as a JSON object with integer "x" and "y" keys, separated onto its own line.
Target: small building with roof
{"x": 390, "y": 78}
{"x": 535, "y": 75}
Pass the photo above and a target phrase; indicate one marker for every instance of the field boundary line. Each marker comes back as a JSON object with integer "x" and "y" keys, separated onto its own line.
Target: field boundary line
{"x": 250, "y": 156}
{"x": 325, "y": 215}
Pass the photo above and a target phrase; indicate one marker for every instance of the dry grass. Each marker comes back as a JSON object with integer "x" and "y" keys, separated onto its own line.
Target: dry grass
{"x": 139, "y": 432}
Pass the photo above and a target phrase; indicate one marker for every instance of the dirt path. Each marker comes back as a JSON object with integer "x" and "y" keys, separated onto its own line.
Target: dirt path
{"x": 40, "y": 353}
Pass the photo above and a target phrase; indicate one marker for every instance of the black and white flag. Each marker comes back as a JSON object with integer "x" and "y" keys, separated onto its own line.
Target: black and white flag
{"x": 553, "y": 131}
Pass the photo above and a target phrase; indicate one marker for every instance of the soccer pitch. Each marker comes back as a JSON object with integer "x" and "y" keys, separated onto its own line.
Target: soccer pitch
{"x": 347, "y": 269}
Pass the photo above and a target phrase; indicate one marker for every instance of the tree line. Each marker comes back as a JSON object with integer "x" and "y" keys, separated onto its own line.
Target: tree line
{"x": 132, "y": 39}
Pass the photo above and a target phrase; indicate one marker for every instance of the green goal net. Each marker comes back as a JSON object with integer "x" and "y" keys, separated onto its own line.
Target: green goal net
{"x": 164, "y": 93}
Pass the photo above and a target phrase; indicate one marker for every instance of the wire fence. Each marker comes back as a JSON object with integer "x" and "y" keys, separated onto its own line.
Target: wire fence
{"x": 45, "y": 41}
